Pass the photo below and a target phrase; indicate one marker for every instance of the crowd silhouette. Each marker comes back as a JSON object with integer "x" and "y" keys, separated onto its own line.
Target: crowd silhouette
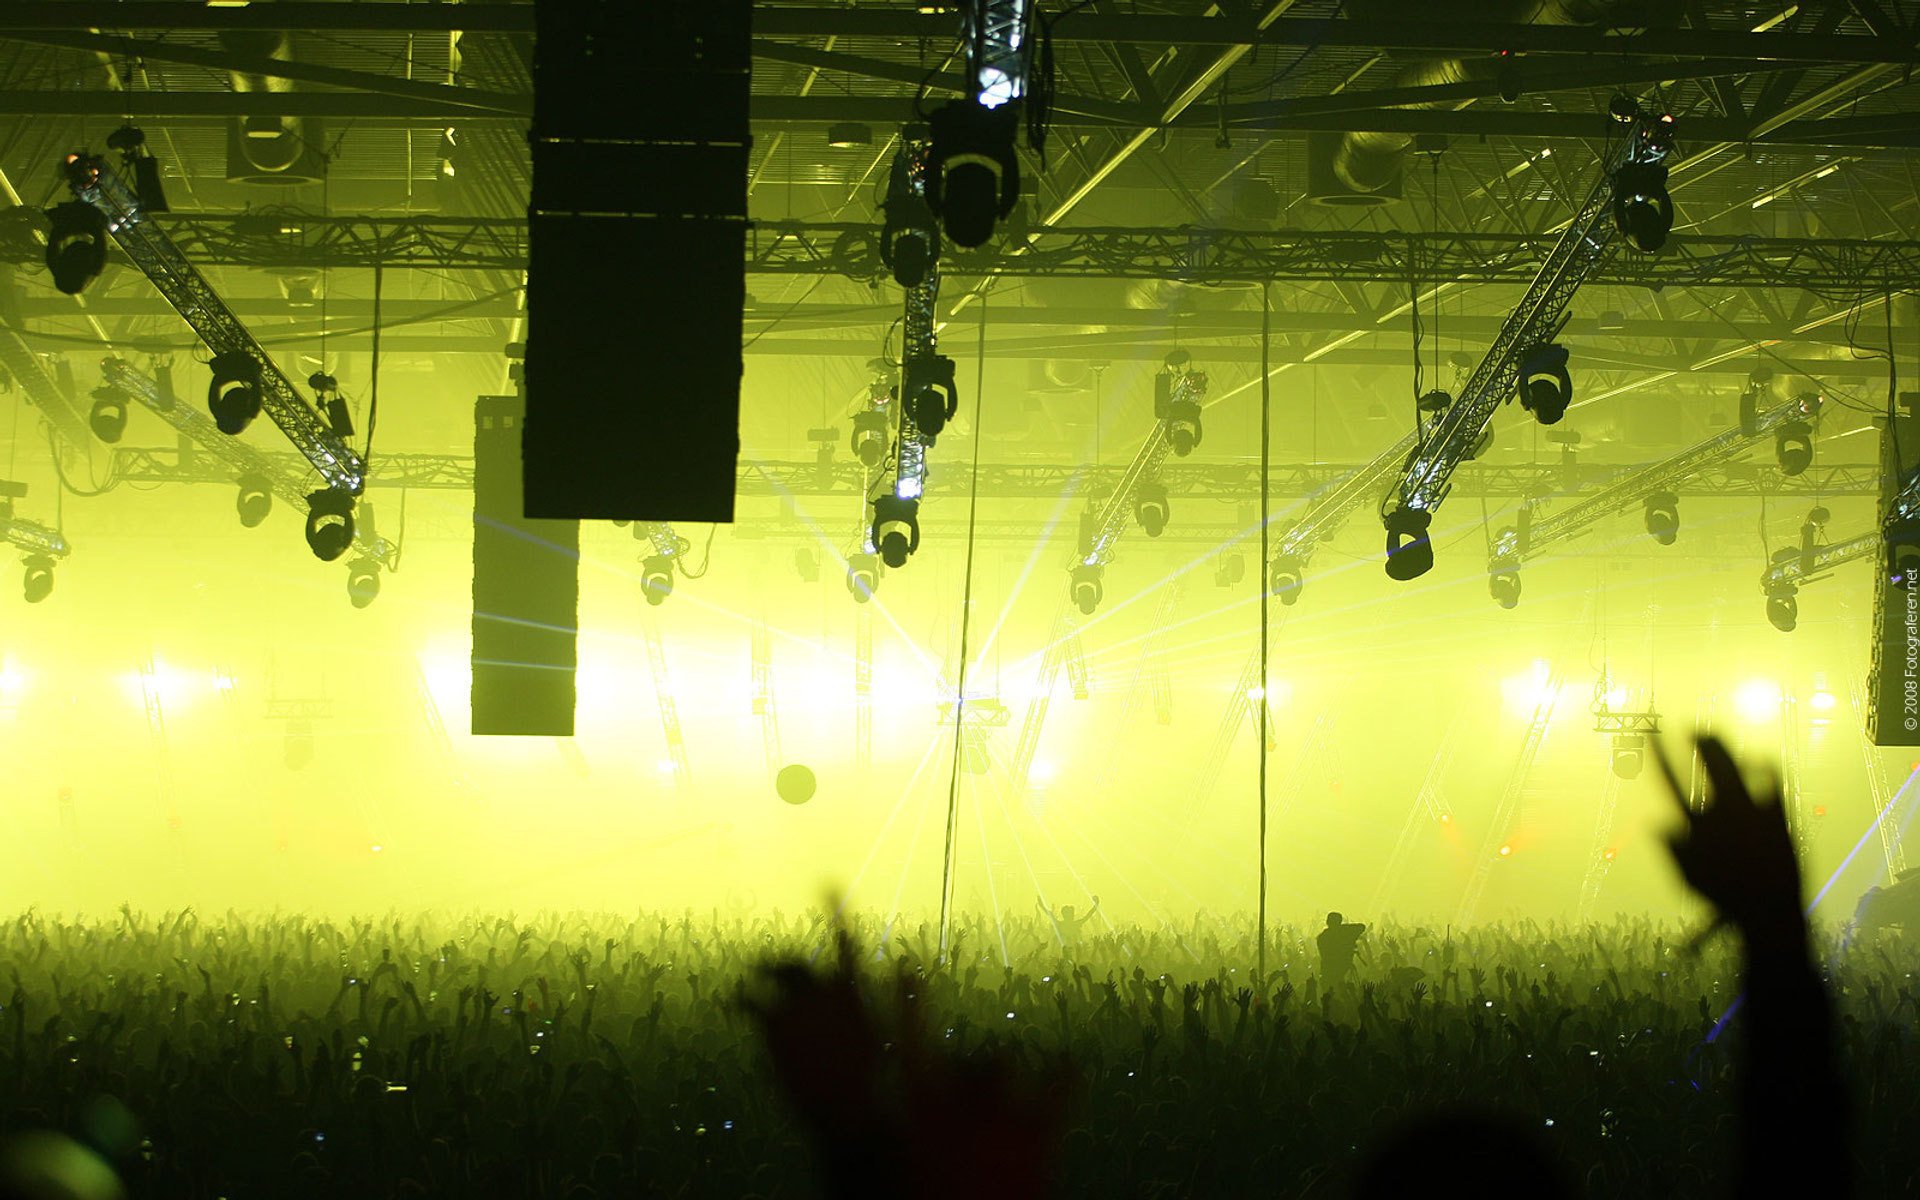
{"x": 584, "y": 1057}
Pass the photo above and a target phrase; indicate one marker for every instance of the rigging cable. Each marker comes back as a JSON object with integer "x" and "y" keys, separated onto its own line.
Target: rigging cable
{"x": 966, "y": 621}
{"x": 1260, "y": 581}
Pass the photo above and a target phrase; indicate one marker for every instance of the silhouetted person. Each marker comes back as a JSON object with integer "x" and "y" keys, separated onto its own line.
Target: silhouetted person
{"x": 1338, "y": 942}
{"x": 1065, "y": 924}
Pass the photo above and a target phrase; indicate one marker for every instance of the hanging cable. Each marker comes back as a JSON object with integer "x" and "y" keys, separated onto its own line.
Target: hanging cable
{"x": 966, "y": 623}
{"x": 1260, "y": 581}
{"x": 373, "y": 401}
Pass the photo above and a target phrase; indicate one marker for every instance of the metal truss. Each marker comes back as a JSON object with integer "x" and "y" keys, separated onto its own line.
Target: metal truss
{"x": 155, "y": 254}
{"x": 1190, "y": 480}
{"x": 30, "y": 373}
{"x": 1195, "y": 255}
{"x": 1509, "y": 807}
{"x": 1792, "y": 568}
{"x": 1588, "y": 241}
{"x": 1104, "y": 527}
{"x": 281, "y": 474}
{"x": 31, "y": 537}
{"x": 1529, "y": 537}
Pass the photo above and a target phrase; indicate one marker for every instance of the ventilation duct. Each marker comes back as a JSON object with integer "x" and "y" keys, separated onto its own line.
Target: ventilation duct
{"x": 1362, "y": 168}
{"x": 267, "y": 148}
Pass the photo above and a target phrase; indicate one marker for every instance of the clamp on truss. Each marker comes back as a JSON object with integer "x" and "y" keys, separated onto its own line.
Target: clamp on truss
{"x": 245, "y": 379}
{"x": 1629, "y": 199}
{"x": 1652, "y": 488}
{"x": 1179, "y": 390}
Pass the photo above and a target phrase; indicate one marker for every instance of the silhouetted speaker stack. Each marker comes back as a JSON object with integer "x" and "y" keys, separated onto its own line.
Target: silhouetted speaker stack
{"x": 1893, "y": 679}
{"x": 526, "y": 591}
{"x": 636, "y": 275}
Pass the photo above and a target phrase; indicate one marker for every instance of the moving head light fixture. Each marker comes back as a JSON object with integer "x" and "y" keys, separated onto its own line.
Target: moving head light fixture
{"x": 974, "y": 175}
{"x": 108, "y": 418}
{"x": 896, "y": 528}
{"x": 233, "y": 395}
{"x": 1545, "y": 386}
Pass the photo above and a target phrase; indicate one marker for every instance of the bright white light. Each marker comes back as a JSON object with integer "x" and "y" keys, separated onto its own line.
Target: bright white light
{"x": 1615, "y": 698}
{"x": 13, "y": 682}
{"x": 664, "y": 766}
{"x": 1043, "y": 772}
{"x": 1524, "y": 694}
{"x": 377, "y": 847}
{"x": 908, "y": 488}
{"x": 1256, "y": 692}
{"x": 1823, "y": 172}
{"x": 996, "y": 87}
{"x": 1757, "y": 700}
{"x": 1763, "y": 201}
{"x": 170, "y": 687}
{"x": 223, "y": 681}
{"x": 1822, "y": 701}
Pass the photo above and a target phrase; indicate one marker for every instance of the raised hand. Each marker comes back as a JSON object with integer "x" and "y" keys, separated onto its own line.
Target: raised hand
{"x": 1736, "y": 851}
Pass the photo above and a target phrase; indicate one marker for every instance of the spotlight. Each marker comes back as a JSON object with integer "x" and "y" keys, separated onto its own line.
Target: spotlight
{"x": 909, "y": 236}
{"x": 1663, "y": 517}
{"x": 1793, "y": 447}
{"x": 863, "y": 576}
{"x": 131, "y": 142}
{"x": 329, "y": 523}
{"x": 1545, "y": 386}
{"x": 1183, "y": 426}
{"x": 1085, "y": 587}
{"x": 1506, "y": 76}
{"x": 849, "y": 135}
{"x": 932, "y": 398}
{"x": 254, "y": 502}
{"x": 656, "y": 578}
{"x": 233, "y": 397}
{"x": 1150, "y": 507}
{"x": 38, "y": 582}
{"x": 1504, "y": 586}
{"x": 896, "y": 529}
{"x": 1409, "y": 551}
{"x": 1285, "y": 579}
{"x": 1783, "y": 608}
{"x": 1629, "y": 755}
{"x": 76, "y": 245}
{"x": 870, "y": 435}
{"x": 973, "y": 176}
{"x": 108, "y": 419}
{"x": 1642, "y": 209}
{"x": 363, "y": 581}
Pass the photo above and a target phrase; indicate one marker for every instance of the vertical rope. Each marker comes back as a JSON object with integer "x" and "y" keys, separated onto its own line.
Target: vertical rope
{"x": 966, "y": 623}
{"x": 1260, "y": 581}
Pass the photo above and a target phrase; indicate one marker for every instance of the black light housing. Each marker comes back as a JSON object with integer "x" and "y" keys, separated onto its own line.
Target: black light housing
{"x": 1793, "y": 447}
{"x": 1504, "y": 586}
{"x": 656, "y": 579}
{"x": 909, "y": 235}
{"x": 973, "y": 175}
{"x": 1783, "y": 608}
{"x": 329, "y": 523}
{"x": 1642, "y": 208}
{"x": 1085, "y": 587}
{"x": 1663, "y": 517}
{"x": 37, "y": 584}
{"x": 863, "y": 576}
{"x": 1409, "y": 550}
{"x": 1545, "y": 386}
{"x": 870, "y": 436}
{"x": 254, "y": 502}
{"x": 233, "y": 395}
{"x": 1151, "y": 507}
{"x": 896, "y": 529}
{"x": 108, "y": 419}
{"x": 131, "y": 142}
{"x": 932, "y": 397}
{"x": 1285, "y": 579}
{"x": 363, "y": 581}
{"x": 76, "y": 245}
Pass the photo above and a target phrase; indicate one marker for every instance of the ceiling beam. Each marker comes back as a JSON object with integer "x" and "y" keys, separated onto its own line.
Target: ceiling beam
{"x": 321, "y": 16}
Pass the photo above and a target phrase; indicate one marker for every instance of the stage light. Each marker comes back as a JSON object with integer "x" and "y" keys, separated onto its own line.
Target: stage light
{"x": 233, "y": 396}
{"x": 896, "y": 528}
{"x": 863, "y": 576}
{"x": 1150, "y": 507}
{"x": 108, "y": 420}
{"x": 1505, "y": 588}
{"x": 1822, "y": 701}
{"x": 1545, "y": 387}
{"x": 870, "y": 437}
{"x": 255, "y": 500}
{"x": 909, "y": 235}
{"x": 1409, "y": 550}
{"x": 1757, "y": 701}
{"x": 1793, "y": 447}
{"x": 656, "y": 579}
{"x": 1525, "y": 695}
{"x": 1642, "y": 208}
{"x": 37, "y": 584}
{"x": 131, "y": 142}
{"x": 1783, "y": 608}
{"x": 363, "y": 581}
{"x": 1286, "y": 579}
{"x": 1609, "y": 854}
{"x": 1629, "y": 754}
{"x": 973, "y": 174}
{"x": 932, "y": 397}
{"x": 849, "y": 135}
{"x": 1506, "y": 849}
{"x": 1663, "y": 517}
{"x": 329, "y": 523}
{"x": 76, "y": 245}
{"x": 1085, "y": 587}
{"x": 1183, "y": 426}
